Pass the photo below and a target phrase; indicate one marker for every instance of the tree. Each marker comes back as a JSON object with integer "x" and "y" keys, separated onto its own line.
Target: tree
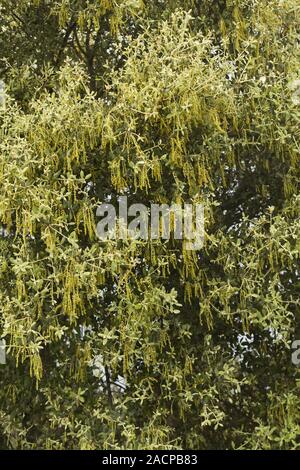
{"x": 190, "y": 101}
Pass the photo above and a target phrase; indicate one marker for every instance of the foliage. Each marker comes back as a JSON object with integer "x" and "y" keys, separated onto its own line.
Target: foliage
{"x": 164, "y": 101}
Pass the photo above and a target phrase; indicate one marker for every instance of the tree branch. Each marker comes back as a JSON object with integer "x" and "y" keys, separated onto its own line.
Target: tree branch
{"x": 68, "y": 33}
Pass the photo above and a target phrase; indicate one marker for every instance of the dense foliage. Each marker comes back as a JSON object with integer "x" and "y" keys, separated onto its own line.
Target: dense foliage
{"x": 144, "y": 344}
